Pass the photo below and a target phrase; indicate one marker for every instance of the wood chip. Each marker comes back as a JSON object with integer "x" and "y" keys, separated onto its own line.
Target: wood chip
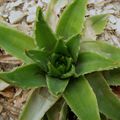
{"x": 1, "y": 108}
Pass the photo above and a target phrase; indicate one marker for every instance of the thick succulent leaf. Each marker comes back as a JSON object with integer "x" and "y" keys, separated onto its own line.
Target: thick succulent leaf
{"x": 44, "y": 37}
{"x": 88, "y": 33}
{"x": 50, "y": 15}
{"x": 73, "y": 45}
{"x": 39, "y": 57}
{"x": 112, "y": 76}
{"x": 64, "y": 112}
{"x": 94, "y": 25}
{"x": 90, "y": 62}
{"x": 72, "y": 21}
{"x": 99, "y": 22}
{"x": 81, "y": 99}
{"x": 69, "y": 62}
{"x": 39, "y": 102}
{"x": 109, "y": 104}
{"x": 15, "y": 42}
{"x": 56, "y": 86}
{"x": 53, "y": 71}
{"x": 59, "y": 72}
{"x": 56, "y": 112}
{"x": 50, "y": 9}
{"x": 104, "y": 55}
{"x": 70, "y": 73}
{"x": 102, "y": 48}
{"x": 29, "y": 76}
{"x": 61, "y": 48}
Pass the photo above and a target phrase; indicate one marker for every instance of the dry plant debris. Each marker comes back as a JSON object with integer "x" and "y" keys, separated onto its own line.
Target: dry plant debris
{"x": 21, "y": 14}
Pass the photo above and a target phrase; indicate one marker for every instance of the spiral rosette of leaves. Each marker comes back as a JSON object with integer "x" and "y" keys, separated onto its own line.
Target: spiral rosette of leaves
{"x": 66, "y": 68}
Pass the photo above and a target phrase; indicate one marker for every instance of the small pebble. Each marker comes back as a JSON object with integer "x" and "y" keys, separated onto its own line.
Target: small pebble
{"x": 99, "y": 0}
{"x": 32, "y": 10}
{"x": 1, "y": 118}
{"x": 11, "y": 118}
{"x": 46, "y": 1}
{"x": 118, "y": 26}
{"x": 108, "y": 7}
{"x": 112, "y": 19}
{"x": 92, "y": 12}
{"x": 18, "y": 2}
{"x": 16, "y": 16}
{"x": 30, "y": 18}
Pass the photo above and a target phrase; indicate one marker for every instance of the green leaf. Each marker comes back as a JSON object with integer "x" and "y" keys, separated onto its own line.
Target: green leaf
{"x": 39, "y": 102}
{"x": 40, "y": 57}
{"x": 50, "y": 9}
{"x": 88, "y": 32}
{"x": 99, "y": 22}
{"x": 44, "y": 37}
{"x": 56, "y": 112}
{"x": 61, "y": 48}
{"x": 15, "y": 42}
{"x": 112, "y": 76}
{"x": 109, "y": 104}
{"x": 53, "y": 71}
{"x": 64, "y": 112}
{"x": 29, "y": 76}
{"x": 50, "y": 15}
{"x": 81, "y": 99}
{"x": 93, "y": 26}
{"x": 70, "y": 73}
{"x": 102, "y": 48}
{"x": 73, "y": 45}
{"x": 56, "y": 86}
{"x": 90, "y": 62}
{"x": 72, "y": 21}
{"x": 97, "y": 56}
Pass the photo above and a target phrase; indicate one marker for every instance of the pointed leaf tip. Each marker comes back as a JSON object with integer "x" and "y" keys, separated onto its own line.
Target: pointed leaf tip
{"x": 81, "y": 99}
{"x": 72, "y": 21}
{"x": 112, "y": 77}
{"x": 15, "y": 42}
{"x": 99, "y": 22}
{"x": 108, "y": 102}
{"x": 39, "y": 57}
{"x": 29, "y": 76}
{"x": 93, "y": 26}
{"x": 73, "y": 45}
{"x": 44, "y": 36}
{"x": 39, "y": 102}
{"x": 56, "y": 86}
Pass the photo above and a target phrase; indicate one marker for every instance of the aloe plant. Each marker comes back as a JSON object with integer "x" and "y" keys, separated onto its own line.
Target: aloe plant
{"x": 70, "y": 73}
